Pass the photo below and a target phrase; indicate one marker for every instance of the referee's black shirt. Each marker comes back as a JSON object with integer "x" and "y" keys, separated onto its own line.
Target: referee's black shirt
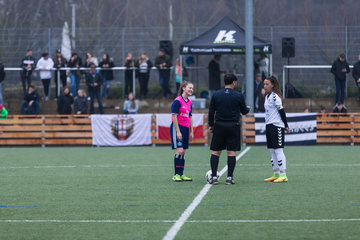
{"x": 227, "y": 103}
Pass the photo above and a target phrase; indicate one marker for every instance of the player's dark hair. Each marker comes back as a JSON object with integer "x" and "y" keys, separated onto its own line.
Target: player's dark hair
{"x": 229, "y": 78}
{"x": 183, "y": 85}
{"x": 276, "y": 86}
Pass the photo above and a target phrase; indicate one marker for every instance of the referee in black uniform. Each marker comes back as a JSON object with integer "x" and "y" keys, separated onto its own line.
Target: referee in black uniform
{"x": 225, "y": 107}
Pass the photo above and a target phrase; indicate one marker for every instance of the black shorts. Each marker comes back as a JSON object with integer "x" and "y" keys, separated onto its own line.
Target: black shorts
{"x": 275, "y": 136}
{"x": 226, "y": 135}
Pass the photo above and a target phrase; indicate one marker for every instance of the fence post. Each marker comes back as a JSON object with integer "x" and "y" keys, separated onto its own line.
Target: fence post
{"x": 283, "y": 82}
{"x": 133, "y": 81}
{"x": 49, "y": 41}
{"x": 123, "y": 59}
{"x": 346, "y": 54}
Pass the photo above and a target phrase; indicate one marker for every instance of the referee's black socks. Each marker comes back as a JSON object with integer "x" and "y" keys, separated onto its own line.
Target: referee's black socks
{"x": 214, "y": 162}
{"x": 231, "y": 165}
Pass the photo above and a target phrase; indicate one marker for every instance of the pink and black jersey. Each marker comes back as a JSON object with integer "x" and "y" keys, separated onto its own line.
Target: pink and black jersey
{"x": 183, "y": 110}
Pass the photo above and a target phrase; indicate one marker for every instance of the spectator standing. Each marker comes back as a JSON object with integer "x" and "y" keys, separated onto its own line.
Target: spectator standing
{"x": 31, "y": 104}
{"x": 94, "y": 82}
{"x": 3, "y": 112}
{"x": 107, "y": 75}
{"x": 131, "y": 105}
{"x": 263, "y": 65}
{"x": 2, "y": 78}
{"x": 65, "y": 101}
{"x": 258, "y": 85}
{"x": 75, "y": 62}
{"x": 178, "y": 74}
{"x": 163, "y": 64}
{"x": 129, "y": 63}
{"x": 45, "y": 64}
{"x": 81, "y": 103}
{"x": 59, "y": 62}
{"x": 214, "y": 75}
{"x": 260, "y": 101}
{"x": 356, "y": 75}
{"x": 144, "y": 66}
{"x": 90, "y": 59}
{"x": 340, "y": 68}
{"x": 27, "y": 65}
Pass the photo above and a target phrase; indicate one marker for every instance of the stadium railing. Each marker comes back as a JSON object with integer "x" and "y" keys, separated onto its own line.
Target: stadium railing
{"x": 331, "y": 128}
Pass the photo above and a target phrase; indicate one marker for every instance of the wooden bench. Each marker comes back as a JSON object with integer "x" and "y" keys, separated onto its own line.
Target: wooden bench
{"x": 46, "y": 130}
{"x": 331, "y": 128}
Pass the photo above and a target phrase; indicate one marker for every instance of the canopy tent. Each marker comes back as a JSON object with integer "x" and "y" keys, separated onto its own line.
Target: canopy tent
{"x": 226, "y": 37}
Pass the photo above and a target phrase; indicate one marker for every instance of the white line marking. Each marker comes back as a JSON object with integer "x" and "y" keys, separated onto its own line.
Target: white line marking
{"x": 186, "y": 214}
{"x": 149, "y": 165}
{"x": 190, "y": 221}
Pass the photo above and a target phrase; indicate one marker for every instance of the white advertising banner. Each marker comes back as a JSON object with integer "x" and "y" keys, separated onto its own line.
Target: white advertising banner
{"x": 121, "y": 130}
{"x": 302, "y": 129}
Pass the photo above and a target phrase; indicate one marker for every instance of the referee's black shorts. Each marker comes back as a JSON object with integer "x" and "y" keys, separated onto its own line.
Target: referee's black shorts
{"x": 275, "y": 136}
{"x": 226, "y": 135}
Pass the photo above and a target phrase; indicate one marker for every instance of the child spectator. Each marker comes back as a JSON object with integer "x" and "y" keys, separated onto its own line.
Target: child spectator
{"x": 31, "y": 104}
{"x": 131, "y": 105}
{"x": 81, "y": 103}
{"x": 65, "y": 101}
{"x": 3, "y": 112}
{"x": 339, "y": 108}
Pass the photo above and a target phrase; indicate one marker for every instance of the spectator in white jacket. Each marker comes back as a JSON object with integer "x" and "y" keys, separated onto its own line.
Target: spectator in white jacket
{"x": 44, "y": 65}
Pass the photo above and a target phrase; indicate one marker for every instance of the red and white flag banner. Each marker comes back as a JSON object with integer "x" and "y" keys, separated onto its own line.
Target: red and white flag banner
{"x": 163, "y": 122}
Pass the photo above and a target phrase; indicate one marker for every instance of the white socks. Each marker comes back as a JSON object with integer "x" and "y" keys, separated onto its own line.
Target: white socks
{"x": 278, "y": 160}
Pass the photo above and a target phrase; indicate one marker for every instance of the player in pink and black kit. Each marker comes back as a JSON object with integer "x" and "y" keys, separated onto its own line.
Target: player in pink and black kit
{"x": 181, "y": 127}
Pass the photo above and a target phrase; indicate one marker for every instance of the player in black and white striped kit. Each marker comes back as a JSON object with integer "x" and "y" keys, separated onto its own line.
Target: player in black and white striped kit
{"x": 276, "y": 125}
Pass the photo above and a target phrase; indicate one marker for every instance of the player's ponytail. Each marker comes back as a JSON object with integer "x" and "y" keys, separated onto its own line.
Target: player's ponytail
{"x": 276, "y": 86}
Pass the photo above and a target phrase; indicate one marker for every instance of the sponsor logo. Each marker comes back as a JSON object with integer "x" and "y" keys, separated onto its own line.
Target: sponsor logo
{"x": 266, "y": 49}
{"x": 185, "y": 49}
{"x": 122, "y": 127}
{"x": 225, "y": 37}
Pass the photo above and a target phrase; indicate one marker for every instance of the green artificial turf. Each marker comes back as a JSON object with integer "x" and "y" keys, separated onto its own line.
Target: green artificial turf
{"x": 134, "y": 184}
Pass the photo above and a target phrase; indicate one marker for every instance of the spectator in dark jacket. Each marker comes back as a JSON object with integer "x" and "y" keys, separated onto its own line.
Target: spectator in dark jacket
{"x": 31, "y": 104}
{"x": 129, "y": 64}
{"x": 339, "y": 108}
{"x": 340, "y": 68}
{"x": 59, "y": 62}
{"x": 163, "y": 64}
{"x": 143, "y": 66}
{"x": 356, "y": 75}
{"x": 107, "y": 75}
{"x": 94, "y": 82}
{"x": 81, "y": 103}
{"x": 214, "y": 75}
{"x": 65, "y": 101}
{"x": 75, "y": 62}
{"x": 28, "y": 64}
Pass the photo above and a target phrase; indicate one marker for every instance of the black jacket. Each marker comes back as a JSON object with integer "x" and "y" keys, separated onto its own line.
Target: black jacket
{"x": 108, "y": 75}
{"x": 227, "y": 104}
{"x": 74, "y": 63}
{"x": 34, "y": 96}
{"x": 214, "y": 75}
{"x": 337, "y": 67}
{"x": 59, "y": 63}
{"x": 26, "y": 61}
{"x": 81, "y": 104}
{"x": 64, "y": 104}
{"x": 90, "y": 79}
{"x": 143, "y": 72}
{"x": 163, "y": 59}
{"x": 356, "y": 71}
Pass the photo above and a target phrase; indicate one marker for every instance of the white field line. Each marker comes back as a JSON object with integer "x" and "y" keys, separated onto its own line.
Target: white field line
{"x": 186, "y": 214}
{"x": 150, "y": 165}
{"x": 190, "y": 221}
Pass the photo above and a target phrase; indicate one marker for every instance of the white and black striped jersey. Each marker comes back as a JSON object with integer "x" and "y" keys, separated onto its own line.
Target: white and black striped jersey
{"x": 272, "y": 106}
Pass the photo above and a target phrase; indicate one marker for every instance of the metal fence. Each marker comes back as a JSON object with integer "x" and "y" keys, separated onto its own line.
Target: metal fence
{"x": 319, "y": 45}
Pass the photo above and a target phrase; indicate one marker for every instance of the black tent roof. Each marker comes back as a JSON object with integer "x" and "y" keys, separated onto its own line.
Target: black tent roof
{"x": 226, "y": 37}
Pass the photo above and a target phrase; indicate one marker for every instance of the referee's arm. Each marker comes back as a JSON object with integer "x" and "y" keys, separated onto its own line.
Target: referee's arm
{"x": 211, "y": 114}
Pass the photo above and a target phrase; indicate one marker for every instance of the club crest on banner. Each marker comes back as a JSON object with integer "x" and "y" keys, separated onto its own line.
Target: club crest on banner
{"x": 122, "y": 127}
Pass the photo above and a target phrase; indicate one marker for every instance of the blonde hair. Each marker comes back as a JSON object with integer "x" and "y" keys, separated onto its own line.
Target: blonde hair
{"x": 183, "y": 85}
{"x": 83, "y": 93}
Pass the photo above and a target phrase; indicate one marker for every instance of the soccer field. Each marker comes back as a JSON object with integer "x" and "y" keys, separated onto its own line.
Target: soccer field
{"x": 127, "y": 193}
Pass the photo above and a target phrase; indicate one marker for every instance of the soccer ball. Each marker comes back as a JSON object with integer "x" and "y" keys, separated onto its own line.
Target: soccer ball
{"x": 208, "y": 175}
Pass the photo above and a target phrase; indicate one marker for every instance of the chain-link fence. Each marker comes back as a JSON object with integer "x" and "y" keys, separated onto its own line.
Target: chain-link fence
{"x": 314, "y": 46}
